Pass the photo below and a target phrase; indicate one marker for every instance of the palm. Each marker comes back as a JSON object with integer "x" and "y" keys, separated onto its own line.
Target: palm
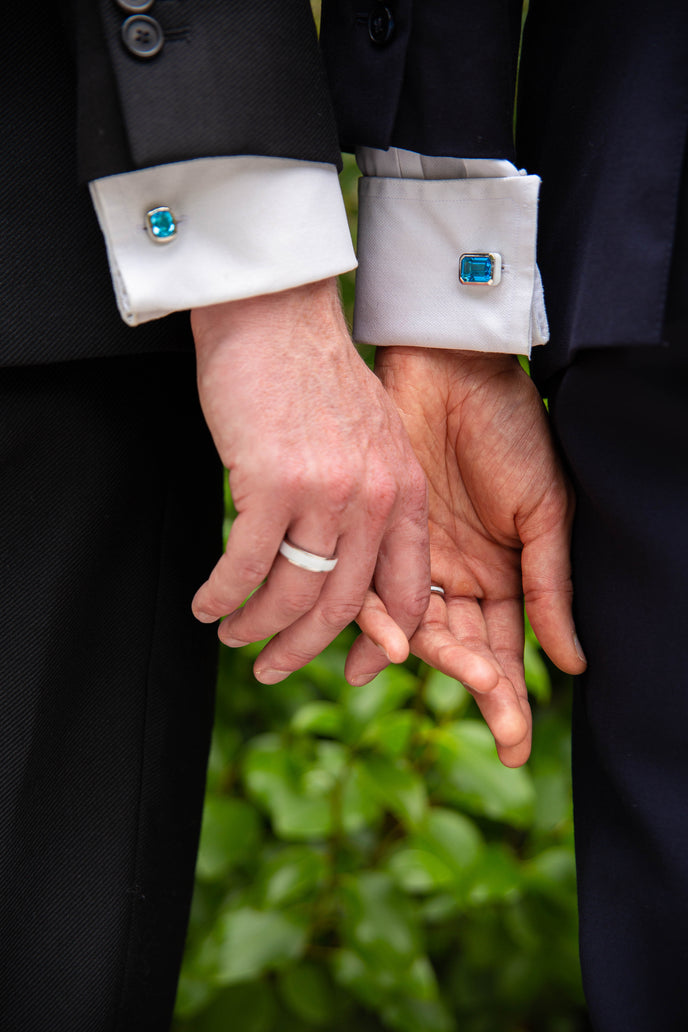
{"x": 499, "y": 515}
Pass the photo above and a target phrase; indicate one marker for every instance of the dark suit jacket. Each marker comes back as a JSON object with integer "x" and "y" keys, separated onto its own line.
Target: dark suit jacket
{"x": 603, "y": 107}
{"x": 232, "y": 78}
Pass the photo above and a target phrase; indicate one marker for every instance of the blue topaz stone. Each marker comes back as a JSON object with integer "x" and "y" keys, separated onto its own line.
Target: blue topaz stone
{"x": 161, "y": 225}
{"x": 484, "y": 269}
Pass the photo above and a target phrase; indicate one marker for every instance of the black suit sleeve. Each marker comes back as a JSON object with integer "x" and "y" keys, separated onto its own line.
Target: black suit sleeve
{"x": 232, "y": 77}
{"x": 441, "y": 80}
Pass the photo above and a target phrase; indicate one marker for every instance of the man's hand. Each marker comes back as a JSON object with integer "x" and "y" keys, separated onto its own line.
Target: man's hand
{"x": 316, "y": 452}
{"x": 500, "y": 519}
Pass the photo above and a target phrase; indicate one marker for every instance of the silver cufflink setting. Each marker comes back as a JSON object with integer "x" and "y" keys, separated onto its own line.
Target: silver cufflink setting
{"x": 480, "y": 269}
{"x": 161, "y": 224}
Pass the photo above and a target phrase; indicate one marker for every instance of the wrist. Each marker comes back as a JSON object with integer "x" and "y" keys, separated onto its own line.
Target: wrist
{"x": 453, "y": 366}
{"x": 282, "y": 322}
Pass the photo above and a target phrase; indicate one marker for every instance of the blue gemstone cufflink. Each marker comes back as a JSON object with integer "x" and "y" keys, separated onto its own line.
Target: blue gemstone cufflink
{"x": 484, "y": 269}
{"x": 161, "y": 225}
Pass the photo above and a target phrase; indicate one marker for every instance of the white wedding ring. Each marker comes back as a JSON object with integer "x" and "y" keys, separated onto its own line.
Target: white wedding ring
{"x": 307, "y": 560}
{"x": 436, "y": 590}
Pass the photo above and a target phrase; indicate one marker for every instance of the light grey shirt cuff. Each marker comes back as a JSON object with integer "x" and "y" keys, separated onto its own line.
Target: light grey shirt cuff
{"x": 417, "y": 216}
{"x": 245, "y": 226}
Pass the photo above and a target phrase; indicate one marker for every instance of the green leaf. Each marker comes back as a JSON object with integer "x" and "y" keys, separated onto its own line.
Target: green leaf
{"x": 378, "y": 922}
{"x": 332, "y": 758}
{"x": 406, "y": 998}
{"x": 307, "y": 992}
{"x": 453, "y": 838}
{"x": 550, "y": 766}
{"x": 497, "y": 878}
{"x": 474, "y": 778}
{"x": 193, "y": 995}
{"x": 397, "y": 787}
{"x": 440, "y": 854}
{"x": 359, "y": 807}
{"x": 440, "y": 908}
{"x": 293, "y": 874}
{"x": 282, "y": 781}
{"x": 249, "y": 1006}
{"x": 320, "y": 718}
{"x": 537, "y": 674}
{"x": 229, "y": 836}
{"x": 327, "y": 671}
{"x": 251, "y": 942}
{"x": 444, "y": 695}
{"x": 225, "y": 745}
{"x": 552, "y": 873}
{"x": 391, "y": 733}
{"x": 413, "y": 1015}
{"x": 416, "y": 870}
{"x": 383, "y": 694}
{"x": 553, "y": 808}
{"x": 353, "y": 973}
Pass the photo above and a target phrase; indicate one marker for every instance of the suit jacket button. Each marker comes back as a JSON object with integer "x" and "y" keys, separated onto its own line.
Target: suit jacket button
{"x": 142, "y": 36}
{"x": 380, "y": 24}
{"x": 134, "y": 6}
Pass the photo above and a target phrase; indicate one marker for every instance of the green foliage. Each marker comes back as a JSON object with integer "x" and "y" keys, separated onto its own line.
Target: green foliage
{"x": 367, "y": 863}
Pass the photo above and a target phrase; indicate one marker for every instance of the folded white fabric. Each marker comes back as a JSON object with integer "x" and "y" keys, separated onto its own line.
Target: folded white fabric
{"x": 412, "y": 234}
{"x": 245, "y": 226}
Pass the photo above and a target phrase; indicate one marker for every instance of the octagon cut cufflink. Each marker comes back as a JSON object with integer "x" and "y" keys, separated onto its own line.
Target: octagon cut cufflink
{"x": 161, "y": 225}
{"x": 480, "y": 268}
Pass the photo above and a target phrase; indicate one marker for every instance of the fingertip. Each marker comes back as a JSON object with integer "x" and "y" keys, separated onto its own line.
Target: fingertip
{"x": 365, "y": 661}
{"x": 358, "y": 680}
{"x": 395, "y": 648}
{"x": 202, "y": 617}
{"x": 514, "y": 739}
{"x": 267, "y": 675}
{"x": 557, "y": 635}
{"x": 481, "y": 676}
{"x": 200, "y": 611}
{"x": 571, "y": 659}
{"x": 514, "y": 755}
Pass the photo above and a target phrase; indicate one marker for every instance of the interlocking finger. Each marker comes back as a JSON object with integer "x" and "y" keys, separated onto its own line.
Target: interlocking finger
{"x": 338, "y": 604}
{"x": 252, "y": 545}
{"x": 289, "y": 592}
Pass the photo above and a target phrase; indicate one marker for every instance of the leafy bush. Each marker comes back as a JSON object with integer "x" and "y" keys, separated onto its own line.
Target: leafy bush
{"x": 367, "y": 863}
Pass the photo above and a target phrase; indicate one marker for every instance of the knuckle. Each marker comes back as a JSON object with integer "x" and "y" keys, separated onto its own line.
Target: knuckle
{"x": 415, "y": 604}
{"x": 285, "y": 481}
{"x": 338, "y": 614}
{"x": 332, "y": 486}
{"x": 251, "y": 570}
{"x": 296, "y": 604}
{"x": 292, "y": 658}
{"x": 340, "y": 490}
{"x": 381, "y": 495}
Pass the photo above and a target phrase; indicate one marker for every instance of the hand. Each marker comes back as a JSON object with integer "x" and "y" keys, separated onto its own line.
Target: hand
{"x": 316, "y": 452}
{"x": 500, "y": 512}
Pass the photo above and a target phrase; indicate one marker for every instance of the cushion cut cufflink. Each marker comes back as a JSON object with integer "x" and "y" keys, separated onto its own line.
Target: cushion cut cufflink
{"x": 161, "y": 225}
{"x": 484, "y": 269}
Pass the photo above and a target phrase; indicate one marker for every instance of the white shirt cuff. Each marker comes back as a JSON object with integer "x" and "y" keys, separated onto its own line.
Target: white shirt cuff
{"x": 417, "y": 216}
{"x": 245, "y": 226}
